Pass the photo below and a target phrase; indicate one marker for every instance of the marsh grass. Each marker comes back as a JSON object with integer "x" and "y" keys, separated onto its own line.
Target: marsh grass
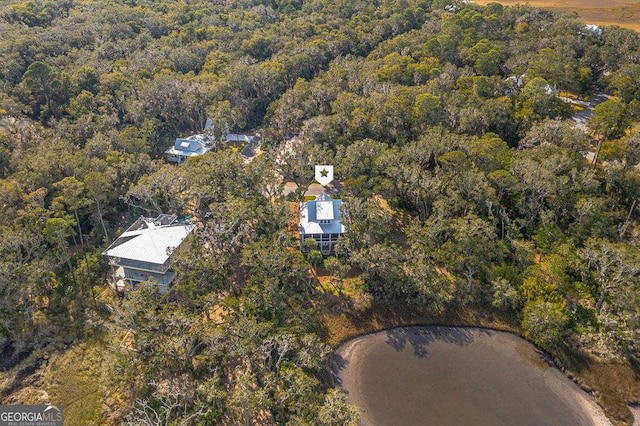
{"x": 73, "y": 380}
{"x": 604, "y": 12}
{"x": 614, "y": 383}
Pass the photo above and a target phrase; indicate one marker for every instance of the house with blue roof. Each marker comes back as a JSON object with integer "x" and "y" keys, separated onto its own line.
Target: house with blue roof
{"x": 184, "y": 148}
{"x": 321, "y": 219}
{"x": 193, "y": 145}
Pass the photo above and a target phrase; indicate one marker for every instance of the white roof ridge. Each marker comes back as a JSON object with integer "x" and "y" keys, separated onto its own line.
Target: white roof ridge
{"x": 151, "y": 244}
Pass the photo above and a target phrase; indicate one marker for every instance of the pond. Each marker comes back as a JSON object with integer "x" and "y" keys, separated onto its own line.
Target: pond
{"x": 457, "y": 376}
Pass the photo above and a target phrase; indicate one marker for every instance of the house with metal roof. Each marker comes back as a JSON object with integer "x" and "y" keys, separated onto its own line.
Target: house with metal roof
{"x": 184, "y": 148}
{"x": 143, "y": 251}
{"x": 321, "y": 219}
{"x": 193, "y": 145}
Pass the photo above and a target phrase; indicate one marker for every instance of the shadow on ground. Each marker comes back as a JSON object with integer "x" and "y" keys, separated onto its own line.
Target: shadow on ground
{"x": 421, "y": 337}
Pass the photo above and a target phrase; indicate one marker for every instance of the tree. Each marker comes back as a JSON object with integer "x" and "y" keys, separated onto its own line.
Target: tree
{"x": 558, "y": 67}
{"x": 426, "y": 283}
{"x": 99, "y": 188}
{"x": 5, "y": 153}
{"x": 502, "y": 181}
{"x": 538, "y": 101}
{"x": 313, "y": 255}
{"x": 46, "y": 87}
{"x": 557, "y": 132}
{"x": 485, "y": 56}
{"x": 615, "y": 268}
{"x": 278, "y": 263}
{"x": 158, "y": 192}
{"x": 428, "y": 111}
{"x": 315, "y": 259}
{"x": 369, "y": 86}
{"x": 546, "y": 176}
{"x": 72, "y": 196}
{"x": 298, "y": 394}
{"x": 56, "y": 231}
{"x": 505, "y": 294}
{"x": 500, "y": 118}
{"x": 382, "y": 269}
{"x": 296, "y": 164}
{"x": 338, "y": 270}
{"x": 632, "y": 152}
{"x": 224, "y": 118}
{"x": 335, "y": 410}
{"x": 167, "y": 406}
{"x": 358, "y": 168}
{"x": 22, "y": 273}
{"x": 623, "y": 82}
{"x": 545, "y": 323}
{"x": 610, "y": 119}
{"x": 467, "y": 246}
{"x": 490, "y": 153}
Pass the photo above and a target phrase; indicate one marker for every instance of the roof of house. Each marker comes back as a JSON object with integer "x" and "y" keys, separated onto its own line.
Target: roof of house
{"x": 322, "y": 208}
{"x": 192, "y": 145}
{"x": 150, "y": 240}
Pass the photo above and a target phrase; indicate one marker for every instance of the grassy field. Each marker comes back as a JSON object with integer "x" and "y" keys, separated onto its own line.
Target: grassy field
{"x": 600, "y": 12}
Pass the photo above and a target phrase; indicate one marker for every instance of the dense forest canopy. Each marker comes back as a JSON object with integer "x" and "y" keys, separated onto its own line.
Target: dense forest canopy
{"x": 467, "y": 183}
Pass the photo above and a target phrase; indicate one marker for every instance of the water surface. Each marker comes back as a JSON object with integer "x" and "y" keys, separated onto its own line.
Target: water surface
{"x": 456, "y": 376}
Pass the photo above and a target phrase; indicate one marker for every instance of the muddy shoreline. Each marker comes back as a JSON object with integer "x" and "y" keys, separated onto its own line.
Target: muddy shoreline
{"x": 457, "y": 375}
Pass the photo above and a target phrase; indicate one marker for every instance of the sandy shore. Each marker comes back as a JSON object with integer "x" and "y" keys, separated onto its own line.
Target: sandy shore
{"x": 456, "y": 376}
{"x": 635, "y": 410}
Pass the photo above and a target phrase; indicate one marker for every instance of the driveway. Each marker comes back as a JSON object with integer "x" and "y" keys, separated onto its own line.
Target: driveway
{"x": 581, "y": 118}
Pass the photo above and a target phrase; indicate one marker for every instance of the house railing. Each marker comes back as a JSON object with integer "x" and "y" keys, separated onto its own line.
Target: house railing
{"x": 143, "y": 266}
